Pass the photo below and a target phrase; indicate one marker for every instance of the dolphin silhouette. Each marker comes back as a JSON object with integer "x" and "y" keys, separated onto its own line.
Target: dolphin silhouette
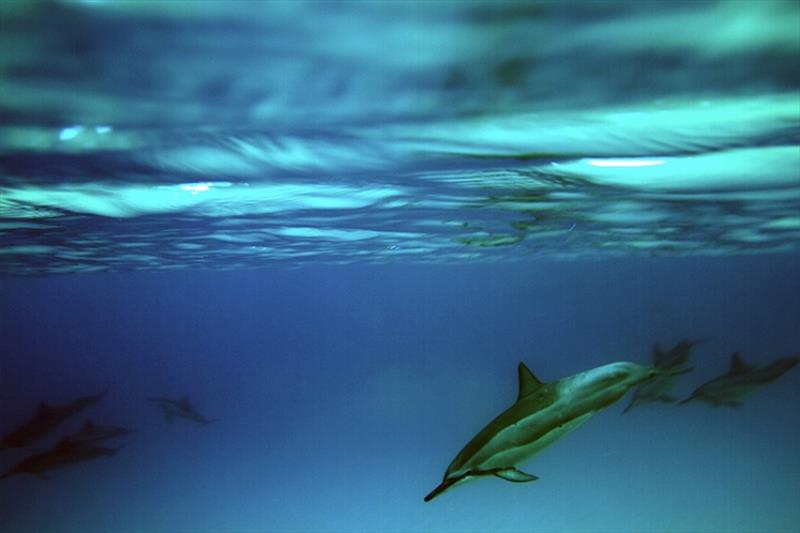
{"x": 180, "y": 408}
{"x": 47, "y": 418}
{"x": 63, "y": 454}
{"x": 542, "y": 414}
{"x": 92, "y": 433}
{"x": 672, "y": 363}
{"x": 740, "y": 379}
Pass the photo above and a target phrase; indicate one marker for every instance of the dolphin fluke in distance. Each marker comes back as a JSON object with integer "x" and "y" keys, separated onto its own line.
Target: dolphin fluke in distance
{"x": 63, "y": 454}
{"x": 542, "y": 414}
{"x": 180, "y": 408}
{"x": 47, "y": 418}
{"x": 671, "y": 363}
{"x": 740, "y": 379}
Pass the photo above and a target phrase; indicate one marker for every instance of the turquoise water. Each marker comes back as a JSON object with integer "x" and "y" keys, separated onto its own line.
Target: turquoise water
{"x": 337, "y": 227}
{"x": 219, "y": 136}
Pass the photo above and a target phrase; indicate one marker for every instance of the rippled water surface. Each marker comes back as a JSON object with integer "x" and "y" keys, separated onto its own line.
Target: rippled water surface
{"x": 173, "y": 135}
{"x": 407, "y": 199}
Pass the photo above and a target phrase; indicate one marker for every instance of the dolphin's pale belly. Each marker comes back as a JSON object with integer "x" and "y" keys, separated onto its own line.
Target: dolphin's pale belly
{"x": 516, "y": 454}
{"x": 528, "y": 436}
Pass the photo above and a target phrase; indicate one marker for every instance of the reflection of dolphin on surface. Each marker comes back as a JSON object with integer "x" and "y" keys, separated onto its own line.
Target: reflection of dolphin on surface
{"x": 92, "y": 433}
{"x": 180, "y": 408}
{"x": 542, "y": 414}
{"x": 673, "y": 363}
{"x": 65, "y": 453}
{"x": 741, "y": 379}
{"x": 45, "y": 419}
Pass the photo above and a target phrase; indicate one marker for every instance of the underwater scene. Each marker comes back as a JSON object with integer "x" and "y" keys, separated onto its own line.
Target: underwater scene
{"x": 399, "y": 266}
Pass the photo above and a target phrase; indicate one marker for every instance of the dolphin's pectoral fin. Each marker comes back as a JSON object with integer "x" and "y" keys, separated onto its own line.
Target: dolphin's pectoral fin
{"x": 630, "y": 406}
{"x": 512, "y": 474}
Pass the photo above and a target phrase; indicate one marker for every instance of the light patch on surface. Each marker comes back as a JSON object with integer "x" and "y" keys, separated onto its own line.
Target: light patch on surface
{"x": 625, "y": 163}
{"x": 327, "y": 233}
{"x": 218, "y": 198}
{"x": 69, "y": 133}
{"x": 783, "y": 223}
{"x": 27, "y": 249}
{"x": 639, "y": 130}
{"x": 747, "y": 168}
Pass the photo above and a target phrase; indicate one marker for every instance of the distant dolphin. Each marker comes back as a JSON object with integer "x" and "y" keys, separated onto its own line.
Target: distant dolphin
{"x": 740, "y": 380}
{"x": 542, "y": 414}
{"x": 45, "y": 419}
{"x": 65, "y": 453}
{"x": 673, "y": 363}
{"x": 92, "y": 433}
{"x": 180, "y": 408}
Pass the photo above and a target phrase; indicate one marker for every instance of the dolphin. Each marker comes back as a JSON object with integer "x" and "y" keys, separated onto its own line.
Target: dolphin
{"x": 47, "y": 418}
{"x": 91, "y": 433}
{"x": 62, "y": 454}
{"x": 180, "y": 408}
{"x": 740, "y": 379}
{"x": 542, "y": 414}
{"x": 673, "y": 362}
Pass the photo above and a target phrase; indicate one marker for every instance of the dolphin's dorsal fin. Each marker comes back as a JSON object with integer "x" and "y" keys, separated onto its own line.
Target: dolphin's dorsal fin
{"x": 737, "y": 365}
{"x": 528, "y": 383}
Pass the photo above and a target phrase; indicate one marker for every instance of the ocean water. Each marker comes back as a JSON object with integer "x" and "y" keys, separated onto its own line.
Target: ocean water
{"x": 336, "y": 228}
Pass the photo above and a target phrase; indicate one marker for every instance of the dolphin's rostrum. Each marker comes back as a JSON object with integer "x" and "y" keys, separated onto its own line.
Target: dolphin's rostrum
{"x": 542, "y": 414}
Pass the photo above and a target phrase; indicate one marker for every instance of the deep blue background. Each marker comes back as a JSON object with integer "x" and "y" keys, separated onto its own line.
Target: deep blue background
{"x": 342, "y": 393}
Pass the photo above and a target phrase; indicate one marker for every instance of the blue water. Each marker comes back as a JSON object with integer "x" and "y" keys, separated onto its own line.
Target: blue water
{"x": 343, "y": 392}
{"x": 338, "y": 227}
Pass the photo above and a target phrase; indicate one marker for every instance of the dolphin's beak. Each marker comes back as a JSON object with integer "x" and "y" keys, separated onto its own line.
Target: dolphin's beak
{"x": 443, "y": 486}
